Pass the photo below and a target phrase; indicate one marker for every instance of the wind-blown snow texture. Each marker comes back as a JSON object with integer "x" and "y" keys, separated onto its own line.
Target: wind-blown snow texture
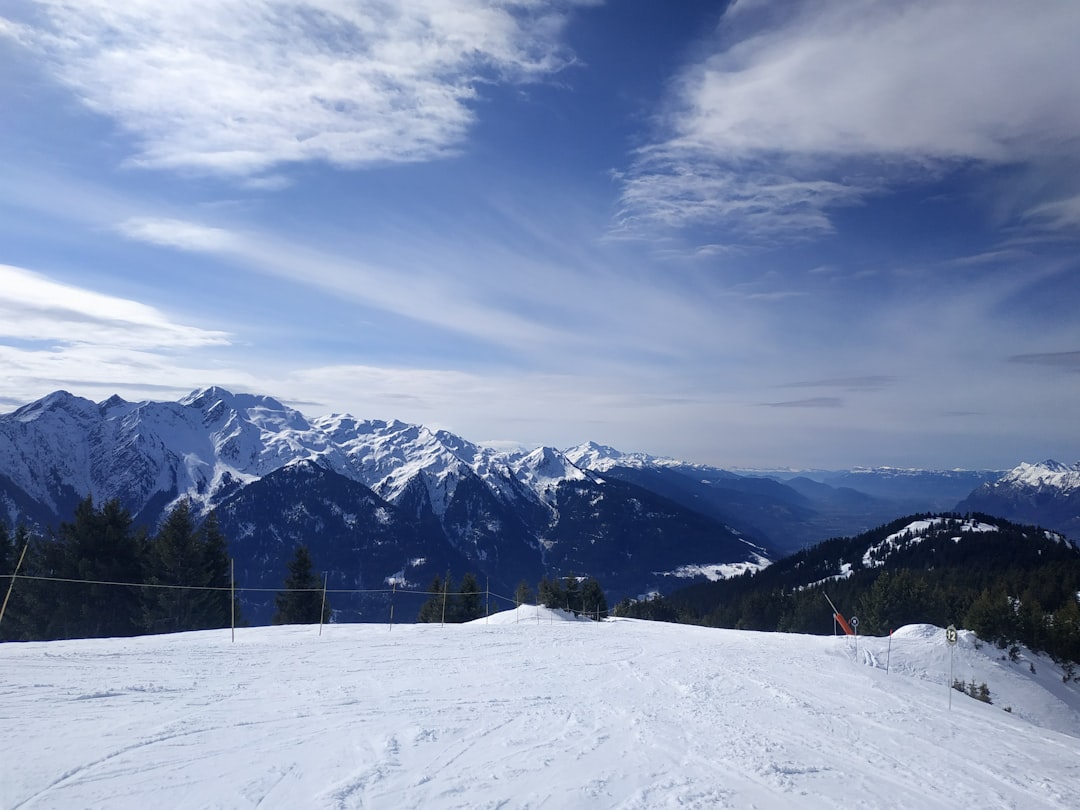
{"x": 525, "y": 711}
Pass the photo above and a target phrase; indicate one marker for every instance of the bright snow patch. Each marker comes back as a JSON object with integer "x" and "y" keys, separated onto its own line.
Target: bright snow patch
{"x": 845, "y": 573}
{"x": 717, "y": 572}
{"x": 516, "y": 712}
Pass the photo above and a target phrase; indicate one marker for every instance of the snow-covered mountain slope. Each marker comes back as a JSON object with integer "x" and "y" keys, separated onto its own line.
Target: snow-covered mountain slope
{"x": 202, "y": 447}
{"x": 509, "y": 515}
{"x": 628, "y": 715}
{"x": 917, "y": 531}
{"x": 65, "y": 446}
{"x": 545, "y": 469}
{"x": 1047, "y": 493}
{"x": 1049, "y": 474}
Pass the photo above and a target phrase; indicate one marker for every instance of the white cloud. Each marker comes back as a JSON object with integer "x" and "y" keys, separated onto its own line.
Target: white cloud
{"x": 1063, "y": 214}
{"x": 36, "y": 308}
{"x": 811, "y": 105}
{"x": 55, "y": 335}
{"x": 177, "y": 233}
{"x": 237, "y": 88}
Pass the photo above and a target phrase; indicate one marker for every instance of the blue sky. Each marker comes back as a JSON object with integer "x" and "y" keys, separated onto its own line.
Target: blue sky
{"x": 772, "y": 233}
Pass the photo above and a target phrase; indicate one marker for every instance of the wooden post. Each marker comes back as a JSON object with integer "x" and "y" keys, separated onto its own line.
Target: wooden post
{"x": 322, "y": 607}
{"x": 14, "y": 574}
{"x": 445, "y": 588}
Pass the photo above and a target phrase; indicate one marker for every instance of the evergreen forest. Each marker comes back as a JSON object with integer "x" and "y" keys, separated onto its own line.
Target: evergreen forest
{"x": 1012, "y": 585}
{"x": 68, "y": 582}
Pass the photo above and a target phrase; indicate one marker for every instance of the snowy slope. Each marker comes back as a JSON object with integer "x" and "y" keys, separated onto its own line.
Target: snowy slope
{"x": 526, "y": 712}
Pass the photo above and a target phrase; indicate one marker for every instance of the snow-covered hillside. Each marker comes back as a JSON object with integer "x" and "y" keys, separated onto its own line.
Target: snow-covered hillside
{"x": 524, "y": 711}
{"x": 1046, "y": 493}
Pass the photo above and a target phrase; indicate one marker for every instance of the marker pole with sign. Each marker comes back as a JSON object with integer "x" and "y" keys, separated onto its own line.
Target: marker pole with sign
{"x": 950, "y": 638}
{"x": 855, "y": 628}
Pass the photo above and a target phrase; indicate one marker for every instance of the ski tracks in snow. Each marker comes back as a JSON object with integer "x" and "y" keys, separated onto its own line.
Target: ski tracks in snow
{"x": 626, "y": 715}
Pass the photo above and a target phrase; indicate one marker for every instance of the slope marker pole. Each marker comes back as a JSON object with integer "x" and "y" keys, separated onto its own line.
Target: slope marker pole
{"x": 232, "y": 597}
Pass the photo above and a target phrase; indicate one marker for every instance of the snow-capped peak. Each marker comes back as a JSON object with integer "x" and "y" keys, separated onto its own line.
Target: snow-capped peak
{"x": 545, "y": 468}
{"x": 1048, "y": 474}
{"x": 601, "y": 458}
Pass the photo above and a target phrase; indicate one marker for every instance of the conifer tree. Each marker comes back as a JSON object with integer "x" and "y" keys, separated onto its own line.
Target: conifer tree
{"x": 469, "y": 604}
{"x": 215, "y": 608}
{"x": 593, "y": 601}
{"x": 549, "y": 594}
{"x": 178, "y": 564}
{"x": 431, "y": 610}
{"x": 571, "y": 594}
{"x": 99, "y": 546}
{"x": 523, "y": 595}
{"x": 302, "y": 599}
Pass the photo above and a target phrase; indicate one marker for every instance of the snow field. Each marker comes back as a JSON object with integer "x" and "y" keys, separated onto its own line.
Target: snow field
{"x": 526, "y": 710}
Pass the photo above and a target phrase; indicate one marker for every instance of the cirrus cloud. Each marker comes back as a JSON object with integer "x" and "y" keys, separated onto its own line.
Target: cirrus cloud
{"x": 238, "y": 88}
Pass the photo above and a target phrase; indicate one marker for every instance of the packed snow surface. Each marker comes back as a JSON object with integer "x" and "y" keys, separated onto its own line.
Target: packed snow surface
{"x": 527, "y": 710}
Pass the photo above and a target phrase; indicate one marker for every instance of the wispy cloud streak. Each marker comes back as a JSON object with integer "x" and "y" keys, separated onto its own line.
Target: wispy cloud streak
{"x": 237, "y": 88}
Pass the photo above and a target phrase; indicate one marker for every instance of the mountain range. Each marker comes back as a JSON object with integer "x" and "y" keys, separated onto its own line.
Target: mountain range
{"x": 386, "y": 503}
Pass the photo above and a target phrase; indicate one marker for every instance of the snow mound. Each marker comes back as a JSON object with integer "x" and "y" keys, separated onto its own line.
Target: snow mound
{"x": 530, "y": 613}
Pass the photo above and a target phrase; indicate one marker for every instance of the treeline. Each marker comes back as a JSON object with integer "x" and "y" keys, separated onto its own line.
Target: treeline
{"x": 468, "y": 602}
{"x": 580, "y": 596}
{"x": 63, "y": 589}
{"x": 1014, "y": 585}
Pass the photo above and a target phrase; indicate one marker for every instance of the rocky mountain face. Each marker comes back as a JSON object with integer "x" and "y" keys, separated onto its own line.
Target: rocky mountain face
{"x": 1047, "y": 493}
{"x": 380, "y": 504}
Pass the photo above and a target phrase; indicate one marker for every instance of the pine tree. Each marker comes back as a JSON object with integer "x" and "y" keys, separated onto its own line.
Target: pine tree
{"x": 431, "y": 610}
{"x": 99, "y": 546}
{"x": 216, "y": 609}
{"x": 523, "y": 595}
{"x": 572, "y": 594}
{"x": 593, "y": 601}
{"x": 178, "y": 566}
{"x": 469, "y": 605}
{"x": 302, "y": 599}
{"x": 549, "y": 594}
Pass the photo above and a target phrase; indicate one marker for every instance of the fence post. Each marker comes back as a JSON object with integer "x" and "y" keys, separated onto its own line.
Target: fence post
{"x": 393, "y": 592}
{"x": 14, "y": 574}
{"x": 322, "y": 607}
{"x": 232, "y": 597}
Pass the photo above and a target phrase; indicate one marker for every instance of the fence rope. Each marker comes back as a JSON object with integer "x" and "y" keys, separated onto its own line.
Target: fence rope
{"x": 241, "y": 588}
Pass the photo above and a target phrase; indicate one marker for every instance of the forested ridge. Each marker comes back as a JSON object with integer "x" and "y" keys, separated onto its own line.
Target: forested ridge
{"x": 1007, "y": 582}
